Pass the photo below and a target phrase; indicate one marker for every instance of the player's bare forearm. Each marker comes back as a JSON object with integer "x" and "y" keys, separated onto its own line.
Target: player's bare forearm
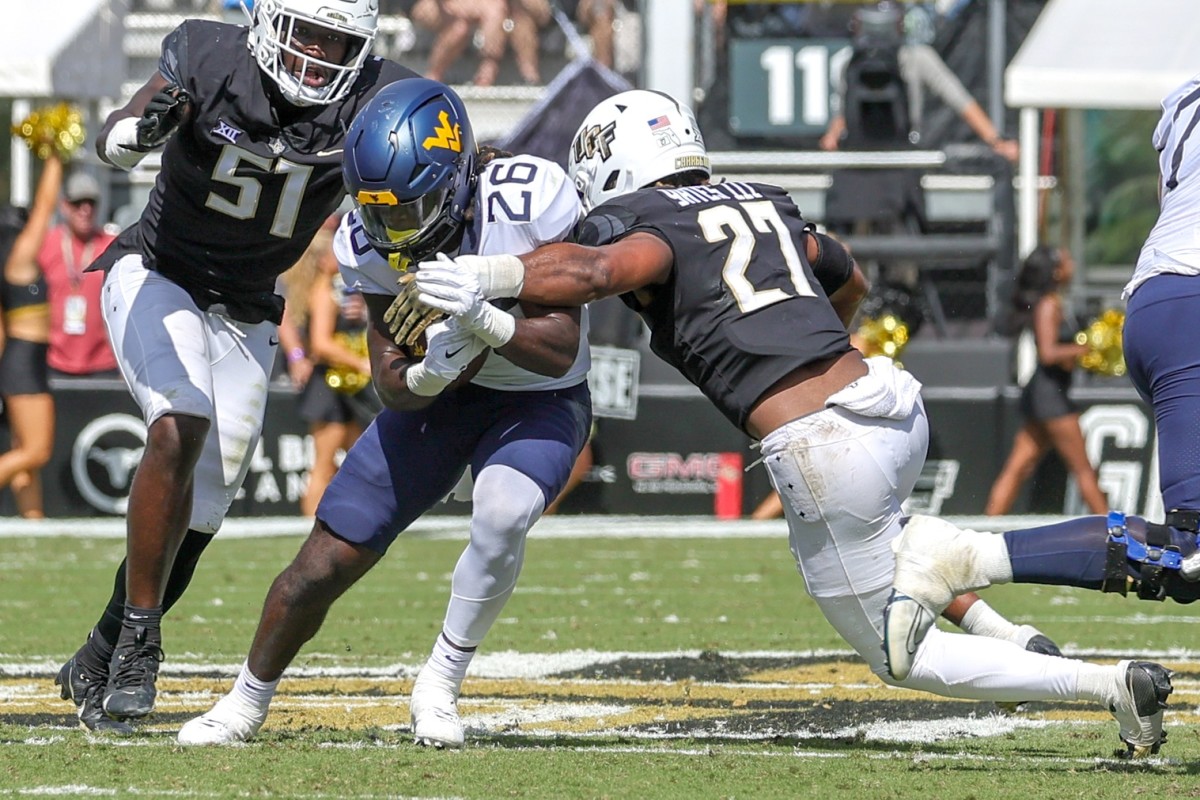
{"x": 546, "y": 342}
{"x": 134, "y": 108}
{"x": 571, "y": 275}
{"x": 563, "y": 275}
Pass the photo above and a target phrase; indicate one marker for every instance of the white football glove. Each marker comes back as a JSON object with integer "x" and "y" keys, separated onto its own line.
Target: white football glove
{"x": 498, "y": 276}
{"x": 450, "y": 349}
{"x": 406, "y": 318}
{"x": 446, "y": 285}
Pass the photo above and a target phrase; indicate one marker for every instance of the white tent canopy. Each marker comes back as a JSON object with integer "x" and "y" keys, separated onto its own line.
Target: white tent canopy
{"x": 63, "y": 48}
{"x": 1105, "y": 54}
{"x": 1095, "y": 54}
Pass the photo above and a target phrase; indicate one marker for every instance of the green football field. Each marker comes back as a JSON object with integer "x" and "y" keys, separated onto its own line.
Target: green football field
{"x": 647, "y": 658}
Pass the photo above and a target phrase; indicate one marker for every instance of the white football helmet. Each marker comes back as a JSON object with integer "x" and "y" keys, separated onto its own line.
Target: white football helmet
{"x": 631, "y": 140}
{"x": 271, "y": 38}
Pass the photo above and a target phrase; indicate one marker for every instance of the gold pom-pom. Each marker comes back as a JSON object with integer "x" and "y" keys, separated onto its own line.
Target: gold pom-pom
{"x": 55, "y": 128}
{"x": 1103, "y": 337}
{"x": 885, "y": 335}
{"x": 344, "y": 379}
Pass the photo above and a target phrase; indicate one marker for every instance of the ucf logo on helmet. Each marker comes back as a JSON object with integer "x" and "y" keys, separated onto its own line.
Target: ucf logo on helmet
{"x": 594, "y": 140}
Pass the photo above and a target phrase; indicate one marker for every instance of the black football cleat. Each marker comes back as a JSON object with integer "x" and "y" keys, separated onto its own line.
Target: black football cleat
{"x": 86, "y": 689}
{"x": 133, "y": 670}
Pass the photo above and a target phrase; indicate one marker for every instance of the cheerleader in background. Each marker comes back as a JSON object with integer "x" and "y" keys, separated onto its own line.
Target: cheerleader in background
{"x": 1051, "y": 419}
{"x": 338, "y": 401}
{"x": 24, "y": 376}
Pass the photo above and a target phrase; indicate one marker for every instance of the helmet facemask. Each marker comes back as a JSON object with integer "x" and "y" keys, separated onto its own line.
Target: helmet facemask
{"x": 274, "y": 40}
{"x": 413, "y": 228}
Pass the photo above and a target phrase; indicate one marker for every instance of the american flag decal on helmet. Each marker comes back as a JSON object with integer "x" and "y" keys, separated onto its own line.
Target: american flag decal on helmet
{"x": 659, "y": 122}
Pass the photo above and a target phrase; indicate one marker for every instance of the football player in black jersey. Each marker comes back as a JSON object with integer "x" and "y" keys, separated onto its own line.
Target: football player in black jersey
{"x": 253, "y": 120}
{"x": 748, "y": 302}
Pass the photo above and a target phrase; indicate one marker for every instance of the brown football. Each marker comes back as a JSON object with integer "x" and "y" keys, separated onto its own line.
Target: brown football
{"x": 470, "y": 372}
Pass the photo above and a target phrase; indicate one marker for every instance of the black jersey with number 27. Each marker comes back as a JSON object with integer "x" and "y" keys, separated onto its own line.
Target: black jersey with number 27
{"x": 742, "y": 308}
{"x": 248, "y": 181}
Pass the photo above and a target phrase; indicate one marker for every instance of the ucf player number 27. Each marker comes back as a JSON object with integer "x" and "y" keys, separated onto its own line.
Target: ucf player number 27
{"x": 744, "y": 222}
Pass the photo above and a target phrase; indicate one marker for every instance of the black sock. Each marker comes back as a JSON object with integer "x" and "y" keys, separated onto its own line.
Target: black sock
{"x": 186, "y": 559}
{"x": 109, "y": 624}
{"x": 149, "y": 619}
{"x": 95, "y": 653}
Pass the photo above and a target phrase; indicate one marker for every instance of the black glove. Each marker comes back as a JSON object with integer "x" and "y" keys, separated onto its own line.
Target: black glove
{"x": 162, "y": 116}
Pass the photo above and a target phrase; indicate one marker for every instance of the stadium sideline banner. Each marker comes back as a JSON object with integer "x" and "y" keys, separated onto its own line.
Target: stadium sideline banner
{"x": 666, "y": 460}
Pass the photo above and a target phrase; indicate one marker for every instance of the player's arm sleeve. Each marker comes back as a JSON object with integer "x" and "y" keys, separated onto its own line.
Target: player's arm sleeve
{"x": 172, "y": 62}
{"x": 833, "y": 266}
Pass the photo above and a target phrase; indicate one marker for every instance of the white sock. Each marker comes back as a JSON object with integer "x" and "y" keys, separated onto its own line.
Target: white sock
{"x": 449, "y": 661}
{"x": 991, "y": 557}
{"x": 251, "y": 690}
{"x": 1096, "y": 682}
{"x": 983, "y": 620}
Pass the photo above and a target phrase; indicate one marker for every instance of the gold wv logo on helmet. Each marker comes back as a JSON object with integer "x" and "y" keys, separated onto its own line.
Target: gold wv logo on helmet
{"x": 368, "y": 198}
{"x": 446, "y": 136}
{"x": 1104, "y": 337}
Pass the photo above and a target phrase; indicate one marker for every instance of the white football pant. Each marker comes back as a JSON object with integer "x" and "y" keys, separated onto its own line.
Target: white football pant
{"x": 842, "y": 475}
{"x": 177, "y": 359}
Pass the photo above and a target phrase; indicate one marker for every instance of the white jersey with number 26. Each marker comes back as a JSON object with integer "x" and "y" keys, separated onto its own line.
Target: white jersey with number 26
{"x": 520, "y": 203}
{"x": 1174, "y": 243}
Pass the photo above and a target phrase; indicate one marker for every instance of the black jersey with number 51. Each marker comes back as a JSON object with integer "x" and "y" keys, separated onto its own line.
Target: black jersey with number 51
{"x": 249, "y": 178}
{"x": 742, "y": 307}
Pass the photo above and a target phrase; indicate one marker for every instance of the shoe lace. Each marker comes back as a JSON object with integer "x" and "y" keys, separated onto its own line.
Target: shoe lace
{"x": 139, "y": 663}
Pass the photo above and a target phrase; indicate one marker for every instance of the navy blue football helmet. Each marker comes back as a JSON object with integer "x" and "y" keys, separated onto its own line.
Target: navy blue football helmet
{"x": 409, "y": 166}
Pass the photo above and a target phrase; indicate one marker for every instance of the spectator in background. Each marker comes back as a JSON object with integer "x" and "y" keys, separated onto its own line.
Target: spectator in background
{"x": 295, "y": 286}
{"x": 596, "y": 17}
{"x": 1051, "y": 419}
{"x": 456, "y": 23}
{"x": 525, "y": 19}
{"x": 338, "y": 402}
{"x": 78, "y": 341}
{"x": 879, "y": 45}
{"x": 24, "y": 382}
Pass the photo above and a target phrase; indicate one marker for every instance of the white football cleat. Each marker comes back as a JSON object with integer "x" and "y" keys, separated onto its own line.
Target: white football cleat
{"x": 434, "y": 707}
{"x": 231, "y": 720}
{"x": 905, "y": 624}
{"x": 935, "y": 562}
{"x": 1142, "y": 691}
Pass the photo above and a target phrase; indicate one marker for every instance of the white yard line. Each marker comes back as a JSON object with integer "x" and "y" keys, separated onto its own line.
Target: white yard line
{"x": 455, "y": 527}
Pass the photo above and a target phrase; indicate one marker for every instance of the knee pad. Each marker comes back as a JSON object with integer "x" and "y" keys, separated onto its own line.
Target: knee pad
{"x": 1149, "y": 561}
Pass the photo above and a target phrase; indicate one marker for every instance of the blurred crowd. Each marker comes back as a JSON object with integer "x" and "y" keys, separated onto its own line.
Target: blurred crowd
{"x": 487, "y": 42}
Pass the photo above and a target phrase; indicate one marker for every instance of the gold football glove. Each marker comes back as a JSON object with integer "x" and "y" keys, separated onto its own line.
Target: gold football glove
{"x": 407, "y": 318}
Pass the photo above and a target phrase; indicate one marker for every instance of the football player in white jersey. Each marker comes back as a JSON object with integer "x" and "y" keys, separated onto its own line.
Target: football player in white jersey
{"x": 1113, "y": 553}
{"x": 501, "y": 392}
